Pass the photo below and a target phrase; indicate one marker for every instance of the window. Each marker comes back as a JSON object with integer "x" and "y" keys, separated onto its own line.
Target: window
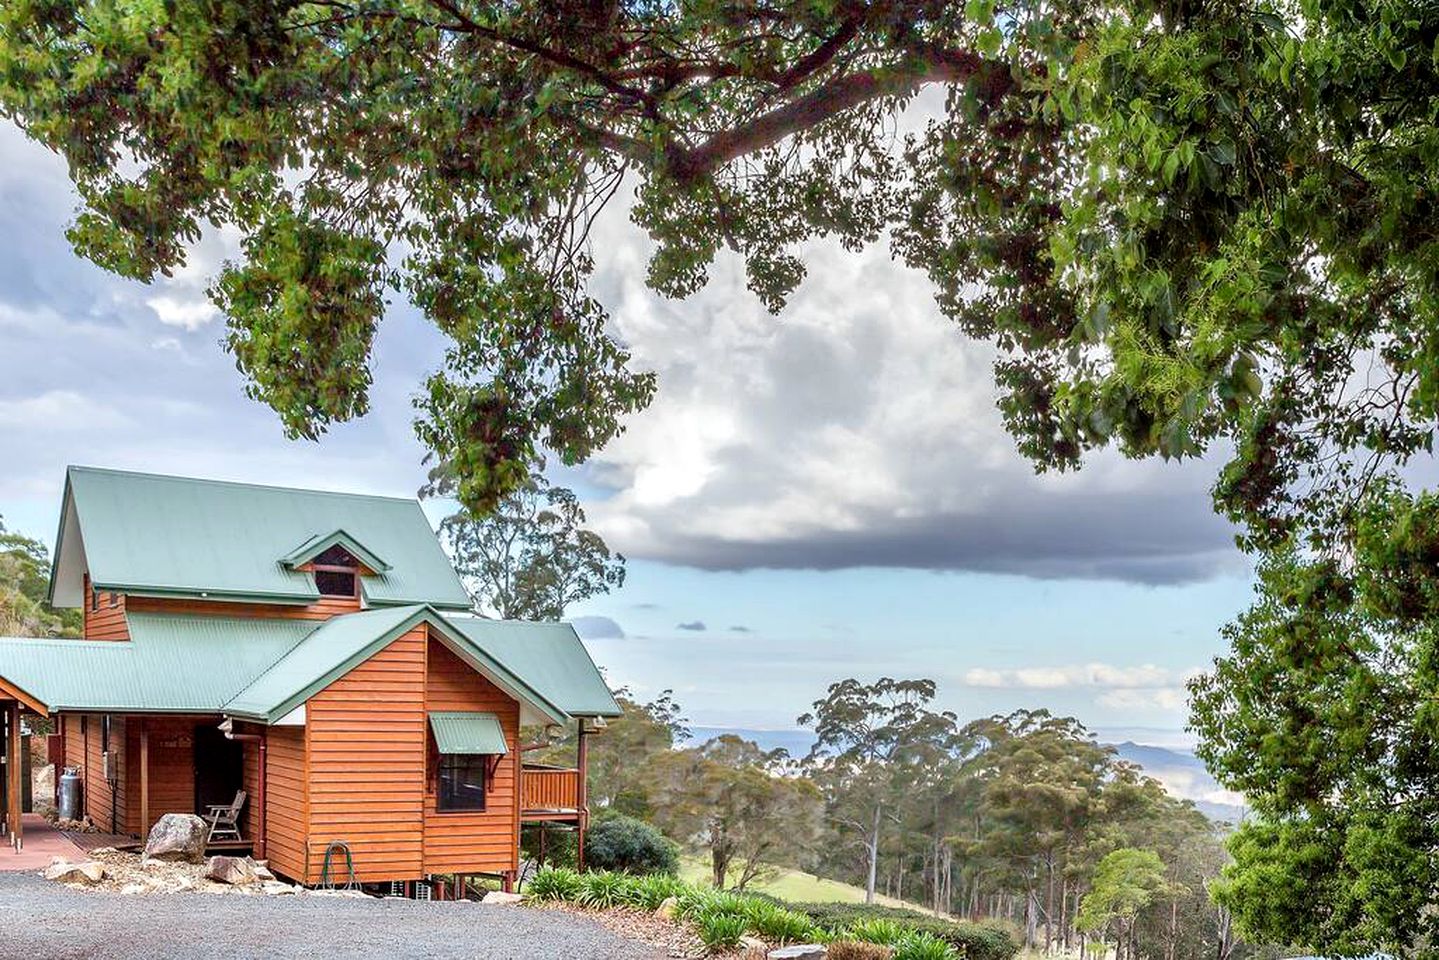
{"x": 337, "y": 573}
{"x": 463, "y": 778}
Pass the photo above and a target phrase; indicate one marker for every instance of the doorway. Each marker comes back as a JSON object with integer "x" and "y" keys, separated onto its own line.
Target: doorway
{"x": 219, "y": 767}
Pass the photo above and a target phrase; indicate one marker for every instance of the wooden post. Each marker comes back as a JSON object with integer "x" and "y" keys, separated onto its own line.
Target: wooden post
{"x": 17, "y": 825}
{"x": 144, "y": 778}
{"x": 5, "y": 829}
{"x": 582, "y": 788}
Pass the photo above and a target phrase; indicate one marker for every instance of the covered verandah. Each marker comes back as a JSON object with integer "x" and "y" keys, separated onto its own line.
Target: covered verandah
{"x": 14, "y": 702}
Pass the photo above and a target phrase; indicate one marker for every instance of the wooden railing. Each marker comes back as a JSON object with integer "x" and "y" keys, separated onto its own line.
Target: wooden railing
{"x": 549, "y": 788}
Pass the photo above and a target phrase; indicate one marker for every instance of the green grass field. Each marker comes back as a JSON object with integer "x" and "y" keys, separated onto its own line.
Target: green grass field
{"x": 793, "y": 885}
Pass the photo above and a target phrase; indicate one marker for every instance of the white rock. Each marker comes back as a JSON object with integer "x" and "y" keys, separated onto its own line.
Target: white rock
{"x": 275, "y": 888}
{"x": 800, "y": 951}
{"x": 499, "y": 896}
{"x": 87, "y": 872}
{"x": 131, "y": 889}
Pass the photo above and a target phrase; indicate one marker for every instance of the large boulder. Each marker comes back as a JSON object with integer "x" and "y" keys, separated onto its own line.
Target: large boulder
{"x": 42, "y": 784}
{"x": 234, "y": 870}
{"x": 65, "y": 872}
{"x": 177, "y": 836}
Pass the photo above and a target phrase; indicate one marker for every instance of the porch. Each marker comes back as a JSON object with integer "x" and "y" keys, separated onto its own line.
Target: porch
{"x": 135, "y": 768}
{"x": 549, "y": 793}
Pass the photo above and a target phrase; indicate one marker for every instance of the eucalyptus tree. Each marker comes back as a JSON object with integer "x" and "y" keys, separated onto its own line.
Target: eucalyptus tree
{"x": 530, "y": 557}
{"x": 870, "y": 739}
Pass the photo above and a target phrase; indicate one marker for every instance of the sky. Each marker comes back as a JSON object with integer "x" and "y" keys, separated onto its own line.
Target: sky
{"x": 816, "y": 495}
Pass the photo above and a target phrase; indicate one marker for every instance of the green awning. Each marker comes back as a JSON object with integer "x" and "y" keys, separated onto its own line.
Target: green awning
{"x": 457, "y": 732}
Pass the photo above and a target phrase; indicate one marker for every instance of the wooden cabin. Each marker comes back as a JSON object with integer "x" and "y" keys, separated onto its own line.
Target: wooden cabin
{"x": 313, "y": 649}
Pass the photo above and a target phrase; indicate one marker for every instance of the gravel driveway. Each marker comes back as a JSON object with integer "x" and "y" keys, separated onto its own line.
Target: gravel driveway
{"x": 46, "y": 921}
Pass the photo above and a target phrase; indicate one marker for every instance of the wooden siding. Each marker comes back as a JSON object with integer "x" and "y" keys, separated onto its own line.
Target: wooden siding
{"x": 172, "y": 768}
{"x": 104, "y": 615}
{"x": 365, "y": 743}
{"x": 322, "y": 609}
{"x": 84, "y": 748}
{"x": 286, "y": 810}
{"x": 485, "y": 841}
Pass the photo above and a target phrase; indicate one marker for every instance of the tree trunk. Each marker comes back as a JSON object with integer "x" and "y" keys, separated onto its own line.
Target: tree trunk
{"x": 873, "y": 855}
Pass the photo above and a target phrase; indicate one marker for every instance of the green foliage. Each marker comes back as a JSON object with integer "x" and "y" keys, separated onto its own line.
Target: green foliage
{"x": 648, "y": 892}
{"x": 555, "y": 884}
{"x": 603, "y": 889}
{"x": 878, "y": 930}
{"x": 975, "y": 941}
{"x": 1323, "y": 714}
{"x": 870, "y": 740}
{"x": 729, "y": 793}
{"x": 618, "y": 842}
{"x": 1125, "y": 882}
{"x": 530, "y": 556}
{"x": 775, "y": 923}
{"x": 24, "y": 586}
{"x": 718, "y": 930}
{"x": 924, "y": 946}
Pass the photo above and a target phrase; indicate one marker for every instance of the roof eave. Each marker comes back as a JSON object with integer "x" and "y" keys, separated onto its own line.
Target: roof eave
{"x": 59, "y": 541}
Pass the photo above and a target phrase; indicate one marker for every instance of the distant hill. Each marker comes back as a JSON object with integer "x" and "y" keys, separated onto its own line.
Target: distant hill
{"x": 1183, "y": 775}
{"x": 1181, "y": 772}
{"x": 797, "y": 742}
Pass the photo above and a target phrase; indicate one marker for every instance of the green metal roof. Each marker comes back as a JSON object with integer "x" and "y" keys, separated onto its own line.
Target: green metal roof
{"x": 327, "y": 653}
{"x": 148, "y": 534}
{"x": 171, "y": 663}
{"x": 262, "y": 669}
{"x": 457, "y": 732}
{"x": 549, "y": 656}
{"x": 342, "y": 643}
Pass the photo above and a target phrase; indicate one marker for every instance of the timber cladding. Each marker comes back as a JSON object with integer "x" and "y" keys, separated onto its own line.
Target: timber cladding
{"x": 104, "y": 614}
{"x": 367, "y": 763}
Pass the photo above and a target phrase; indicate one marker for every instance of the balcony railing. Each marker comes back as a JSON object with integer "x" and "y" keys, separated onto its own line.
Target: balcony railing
{"x": 545, "y": 789}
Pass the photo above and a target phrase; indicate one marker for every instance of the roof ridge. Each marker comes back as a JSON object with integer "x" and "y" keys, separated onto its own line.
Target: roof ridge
{"x": 286, "y": 488}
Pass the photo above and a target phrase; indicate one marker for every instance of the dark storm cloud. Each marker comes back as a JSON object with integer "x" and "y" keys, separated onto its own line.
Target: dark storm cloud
{"x": 598, "y": 628}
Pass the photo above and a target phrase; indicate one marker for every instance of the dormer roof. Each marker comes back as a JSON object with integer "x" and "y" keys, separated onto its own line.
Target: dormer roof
{"x": 152, "y": 535}
{"x": 316, "y": 545}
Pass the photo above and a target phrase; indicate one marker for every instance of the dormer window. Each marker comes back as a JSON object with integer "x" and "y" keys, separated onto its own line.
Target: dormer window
{"x": 337, "y": 573}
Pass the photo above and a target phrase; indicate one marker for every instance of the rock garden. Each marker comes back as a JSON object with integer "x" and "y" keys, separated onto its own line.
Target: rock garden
{"x": 173, "y": 861}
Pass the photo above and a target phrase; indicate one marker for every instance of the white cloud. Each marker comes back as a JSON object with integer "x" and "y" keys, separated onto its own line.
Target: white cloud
{"x": 1157, "y": 698}
{"x": 58, "y": 410}
{"x": 1098, "y": 675}
{"x": 188, "y": 313}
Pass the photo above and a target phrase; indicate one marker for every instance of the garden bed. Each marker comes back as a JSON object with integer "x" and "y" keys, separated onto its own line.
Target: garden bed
{"x": 723, "y": 922}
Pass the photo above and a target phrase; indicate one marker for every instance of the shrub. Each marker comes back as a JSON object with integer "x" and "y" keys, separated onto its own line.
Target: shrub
{"x": 623, "y": 843}
{"x": 985, "y": 940}
{"x": 859, "y": 950}
{"x": 604, "y": 889}
{"x": 776, "y": 923}
{"x": 555, "y": 883}
{"x": 647, "y": 893}
{"x": 719, "y": 931}
{"x": 879, "y": 930}
{"x": 696, "y": 900}
{"x": 923, "y": 946}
